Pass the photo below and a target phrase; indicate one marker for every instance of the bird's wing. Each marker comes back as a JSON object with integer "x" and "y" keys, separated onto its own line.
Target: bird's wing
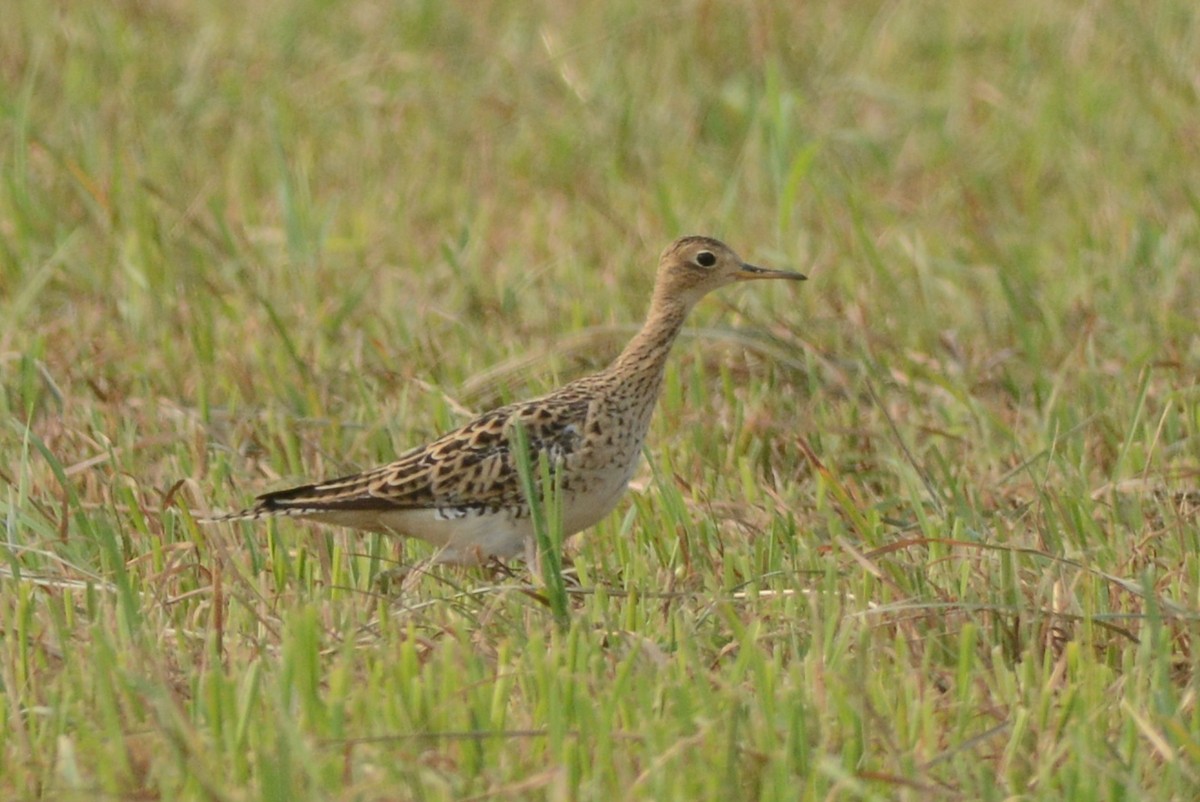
{"x": 473, "y": 467}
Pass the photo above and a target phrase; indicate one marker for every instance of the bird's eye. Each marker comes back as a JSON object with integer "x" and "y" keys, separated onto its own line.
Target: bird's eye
{"x": 706, "y": 259}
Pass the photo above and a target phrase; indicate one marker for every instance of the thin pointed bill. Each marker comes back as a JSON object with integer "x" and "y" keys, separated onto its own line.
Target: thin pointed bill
{"x": 755, "y": 273}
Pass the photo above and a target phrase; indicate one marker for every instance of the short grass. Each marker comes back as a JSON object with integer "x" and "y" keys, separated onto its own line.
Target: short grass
{"x": 923, "y": 528}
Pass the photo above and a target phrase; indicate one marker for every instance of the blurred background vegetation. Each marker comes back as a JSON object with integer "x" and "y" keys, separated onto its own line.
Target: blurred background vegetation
{"x": 923, "y": 527}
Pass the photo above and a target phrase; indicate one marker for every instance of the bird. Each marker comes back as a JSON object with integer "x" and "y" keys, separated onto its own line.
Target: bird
{"x": 463, "y": 493}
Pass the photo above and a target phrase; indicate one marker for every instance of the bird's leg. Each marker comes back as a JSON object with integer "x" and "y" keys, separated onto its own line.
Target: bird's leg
{"x": 495, "y": 567}
{"x": 533, "y": 557}
{"x": 390, "y": 578}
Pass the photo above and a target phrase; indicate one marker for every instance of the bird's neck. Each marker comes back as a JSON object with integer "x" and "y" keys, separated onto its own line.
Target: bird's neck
{"x": 646, "y": 354}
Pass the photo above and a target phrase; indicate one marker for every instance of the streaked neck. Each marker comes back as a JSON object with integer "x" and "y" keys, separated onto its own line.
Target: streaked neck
{"x": 647, "y": 352}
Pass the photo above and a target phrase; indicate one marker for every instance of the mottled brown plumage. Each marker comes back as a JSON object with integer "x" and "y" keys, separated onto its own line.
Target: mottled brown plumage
{"x": 462, "y": 492}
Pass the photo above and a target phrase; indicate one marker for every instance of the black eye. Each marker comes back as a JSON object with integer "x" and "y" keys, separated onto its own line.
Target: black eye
{"x": 706, "y": 259}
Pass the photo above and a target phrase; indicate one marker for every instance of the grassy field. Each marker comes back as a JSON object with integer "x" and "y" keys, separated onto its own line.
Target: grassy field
{"x": 925, "y": 527}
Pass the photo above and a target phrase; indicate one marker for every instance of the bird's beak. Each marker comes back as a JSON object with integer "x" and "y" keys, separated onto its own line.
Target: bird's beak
{"x": 754, "y": 273}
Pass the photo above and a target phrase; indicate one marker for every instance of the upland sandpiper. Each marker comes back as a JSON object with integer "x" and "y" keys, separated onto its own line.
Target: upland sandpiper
{"x": 463, "y": 493}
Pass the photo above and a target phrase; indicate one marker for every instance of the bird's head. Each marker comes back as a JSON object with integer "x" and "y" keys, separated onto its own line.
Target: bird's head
{"x": 692, "y": 267}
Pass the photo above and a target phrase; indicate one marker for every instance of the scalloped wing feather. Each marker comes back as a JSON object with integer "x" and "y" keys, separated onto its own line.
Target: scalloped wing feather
{"x": 472, "y": 467}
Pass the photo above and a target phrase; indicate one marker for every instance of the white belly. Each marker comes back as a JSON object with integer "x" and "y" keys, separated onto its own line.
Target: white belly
{"x": 470, "y": 537}
{"x": 589, "y": 507}
{"x": 463, "y": 537}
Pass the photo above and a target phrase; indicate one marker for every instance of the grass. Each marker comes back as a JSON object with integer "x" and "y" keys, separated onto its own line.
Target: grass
{"x": 923, "y": 528}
